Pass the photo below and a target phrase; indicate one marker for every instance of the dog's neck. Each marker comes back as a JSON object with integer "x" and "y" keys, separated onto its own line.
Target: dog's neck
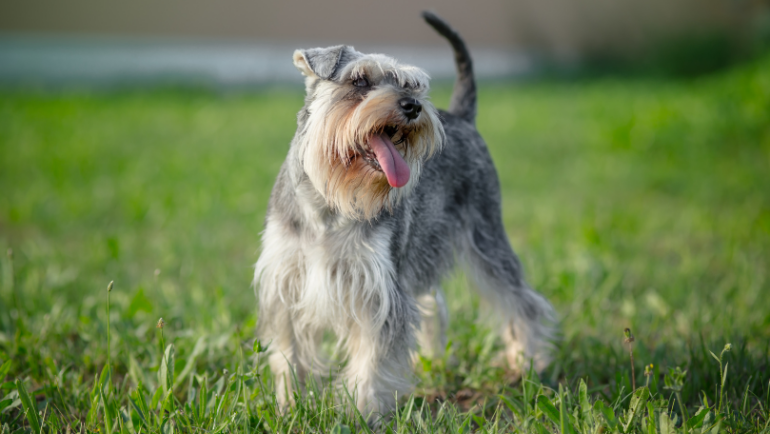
{"x": 310, "y": 205}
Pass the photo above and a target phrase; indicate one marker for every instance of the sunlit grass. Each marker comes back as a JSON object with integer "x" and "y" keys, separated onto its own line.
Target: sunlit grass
{"x": 641, "y": 204}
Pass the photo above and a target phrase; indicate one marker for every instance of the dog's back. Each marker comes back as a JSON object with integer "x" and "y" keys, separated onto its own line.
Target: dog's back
{"x": 455, "y": 212}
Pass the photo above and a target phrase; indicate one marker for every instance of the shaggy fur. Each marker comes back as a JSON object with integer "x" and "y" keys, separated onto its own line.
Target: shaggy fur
{"x": 345, "y": 251}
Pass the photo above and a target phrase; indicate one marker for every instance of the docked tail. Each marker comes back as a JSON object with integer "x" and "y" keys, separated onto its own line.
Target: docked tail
{"x": 463, "y": 102}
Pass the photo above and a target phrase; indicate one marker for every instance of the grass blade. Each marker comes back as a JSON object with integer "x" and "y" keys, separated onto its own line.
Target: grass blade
{"x": 4, "y": 368}
{"x": 359, "y": 416}
{"x": 166, "y": 372}
{"x": 585, "y": 405}
{"x": 638, "y": 399}
{"x": 667, "y": 426}
{"x": 200, "y": 346}
{"x": 545, "y": 405}
{"x": 30, "y": 407}
{"x": 109, "y": 412}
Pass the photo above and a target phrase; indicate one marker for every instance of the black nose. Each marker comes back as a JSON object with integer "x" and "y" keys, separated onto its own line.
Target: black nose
{"x": 411, "y": 107}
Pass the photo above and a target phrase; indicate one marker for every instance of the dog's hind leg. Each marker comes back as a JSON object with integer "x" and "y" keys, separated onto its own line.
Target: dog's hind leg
{"x": 434, "y": 319}
{"x": 527, "y": 317}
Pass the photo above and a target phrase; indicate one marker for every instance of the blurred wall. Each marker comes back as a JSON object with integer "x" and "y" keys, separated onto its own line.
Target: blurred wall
{"x": 391, "y": 22}
{"x": 564, "y": 28}
{"x": 575, "y": 28}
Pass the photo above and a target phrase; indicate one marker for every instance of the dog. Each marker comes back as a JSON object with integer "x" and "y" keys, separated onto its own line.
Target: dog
{"x": 380, "y": 195}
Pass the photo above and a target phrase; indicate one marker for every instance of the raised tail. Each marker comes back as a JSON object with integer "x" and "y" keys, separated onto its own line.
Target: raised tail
{"x": 463, "y": 102}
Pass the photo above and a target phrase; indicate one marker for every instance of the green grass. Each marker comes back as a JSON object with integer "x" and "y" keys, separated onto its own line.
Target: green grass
{"x": 636, "y": 203}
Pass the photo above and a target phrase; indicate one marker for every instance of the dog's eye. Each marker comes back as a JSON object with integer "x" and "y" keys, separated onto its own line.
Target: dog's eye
{"x": 361, "y": 82}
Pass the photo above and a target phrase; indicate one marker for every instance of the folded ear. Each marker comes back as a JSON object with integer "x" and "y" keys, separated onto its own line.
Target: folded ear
{"x": 321, "y": 62}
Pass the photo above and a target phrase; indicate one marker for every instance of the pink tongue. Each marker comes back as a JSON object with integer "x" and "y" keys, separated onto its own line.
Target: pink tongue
{"x": 391, "y": 161}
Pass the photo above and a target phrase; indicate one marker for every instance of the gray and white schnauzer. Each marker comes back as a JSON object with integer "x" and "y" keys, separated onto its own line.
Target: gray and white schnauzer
{"x": 379, "y": 195}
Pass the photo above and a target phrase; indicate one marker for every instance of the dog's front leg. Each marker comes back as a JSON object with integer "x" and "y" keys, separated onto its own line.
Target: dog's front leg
{"x": 379, "y": 364}
{"x": 285, "y": 365}
{"x": 279, "y": 277}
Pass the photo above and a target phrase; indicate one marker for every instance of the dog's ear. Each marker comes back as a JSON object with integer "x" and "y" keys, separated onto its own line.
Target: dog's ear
{"x": 322, "y": 62}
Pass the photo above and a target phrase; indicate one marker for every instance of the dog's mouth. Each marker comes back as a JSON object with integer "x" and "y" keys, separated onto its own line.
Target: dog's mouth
{"x": 381, "y": 154}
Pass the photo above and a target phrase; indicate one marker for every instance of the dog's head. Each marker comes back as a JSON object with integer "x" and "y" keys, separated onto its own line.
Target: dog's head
{"x": 366, "y": 128}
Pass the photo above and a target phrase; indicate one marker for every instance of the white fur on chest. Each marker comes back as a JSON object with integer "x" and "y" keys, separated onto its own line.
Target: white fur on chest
{"x": 329, "y": 274}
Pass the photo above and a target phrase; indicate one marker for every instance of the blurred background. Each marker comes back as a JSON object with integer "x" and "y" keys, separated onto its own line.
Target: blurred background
{"x": 140, "y": 140}
{"x": 243, "y": 42}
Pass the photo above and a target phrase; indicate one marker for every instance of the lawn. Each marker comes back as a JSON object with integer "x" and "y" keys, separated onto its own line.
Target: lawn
{"x": 639, "y": 203}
